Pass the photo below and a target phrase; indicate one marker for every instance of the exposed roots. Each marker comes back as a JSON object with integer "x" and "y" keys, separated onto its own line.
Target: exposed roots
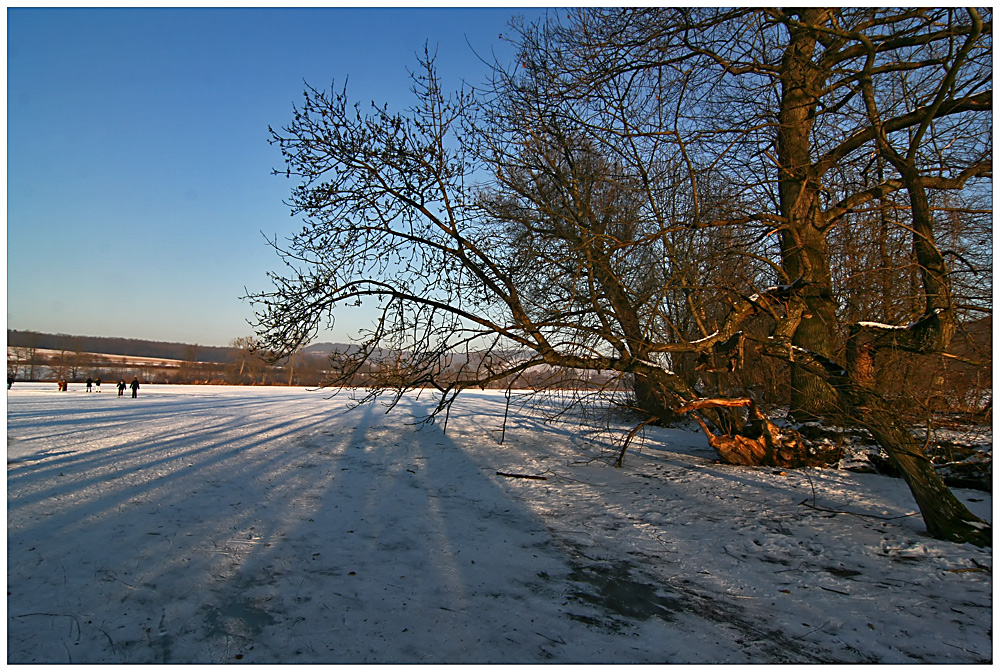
{"x": 760, "y": 442}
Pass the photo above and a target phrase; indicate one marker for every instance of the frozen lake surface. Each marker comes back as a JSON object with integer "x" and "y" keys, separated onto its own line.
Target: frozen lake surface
{"x": 272, "y": 525}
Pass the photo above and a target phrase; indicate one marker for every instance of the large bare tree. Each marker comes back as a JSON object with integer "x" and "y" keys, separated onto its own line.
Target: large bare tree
{"x": 796, "y": 100}
{"x": 568, "y": 228}
{"x": 777, "y": 98}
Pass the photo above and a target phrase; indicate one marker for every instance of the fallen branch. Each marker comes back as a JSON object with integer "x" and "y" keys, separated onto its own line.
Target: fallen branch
{"x": 534, "y": 478}
{"x": 805, "y": 502}
{"x": 760, "y": 442}
{"x": 831, "y": 590}
{"x": 699, "y": 404}
{"x": 628, "y": 440}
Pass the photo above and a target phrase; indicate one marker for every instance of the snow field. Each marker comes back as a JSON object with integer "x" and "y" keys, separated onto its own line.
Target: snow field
{"x": 274, "y": 525}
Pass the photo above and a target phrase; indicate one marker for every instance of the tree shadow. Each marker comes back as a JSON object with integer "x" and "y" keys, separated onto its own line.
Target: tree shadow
{"x": 249, "y": 530}
{"x": 221, "y": 533}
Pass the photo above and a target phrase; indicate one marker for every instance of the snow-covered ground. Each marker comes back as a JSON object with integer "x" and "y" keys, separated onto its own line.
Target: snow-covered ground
{"x": 271, "y": 525}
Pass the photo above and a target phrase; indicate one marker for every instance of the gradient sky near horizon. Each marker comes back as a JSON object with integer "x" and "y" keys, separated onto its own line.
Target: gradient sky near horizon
{"x": 139, "y": 185}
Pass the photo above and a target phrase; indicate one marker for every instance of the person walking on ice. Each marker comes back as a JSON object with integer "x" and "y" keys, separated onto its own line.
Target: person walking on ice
{"x": 135, "y": 387}
{"x": 121, "y": 387}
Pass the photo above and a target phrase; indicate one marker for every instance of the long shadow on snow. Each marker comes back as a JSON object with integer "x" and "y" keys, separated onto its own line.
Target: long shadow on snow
{"x": 614, "y": 582}
{"x": 74, "y": 502}
{"x": 190, "y": 584}
{"x": 162, "y": 461}
{"x": 404, "y": 533}
{"x": 462, "y": 504}
{"x": 407, "y": 559}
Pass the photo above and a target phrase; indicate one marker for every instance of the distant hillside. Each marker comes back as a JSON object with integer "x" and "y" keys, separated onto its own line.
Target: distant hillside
{"x": 327, "y": 348}
{"x": 120, "y": 346}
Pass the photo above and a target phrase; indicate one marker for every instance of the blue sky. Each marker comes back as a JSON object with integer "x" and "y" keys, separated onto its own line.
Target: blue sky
{"x": 138, "y": 164}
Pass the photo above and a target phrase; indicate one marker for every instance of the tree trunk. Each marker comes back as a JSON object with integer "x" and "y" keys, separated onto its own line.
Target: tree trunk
{"x": 659, "y": 395}
{"x": 803, "y": 242}
{"x": 654, "y": 400}
{"x": 945, "y": 517}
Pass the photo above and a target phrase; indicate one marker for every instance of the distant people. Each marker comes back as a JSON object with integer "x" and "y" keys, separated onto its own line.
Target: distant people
{"x": 135, "y": 387}
{"x": 63, "y": 386}
{"x": 10, "y": 381}
{"x": 121, "y": 387}
{"x": 97, "y": 385}
{"x": 90, "y": 384}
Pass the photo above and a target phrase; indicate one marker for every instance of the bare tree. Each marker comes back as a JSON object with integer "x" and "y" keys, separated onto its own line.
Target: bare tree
{"x": 774, "y": 99}
{"x": 60, "y": 363}
{"x": 630, "y": 139}
{"x": 603, "y": 253}
{"x": 252, "y": 360}
{"x": 28, "y": 356}
{"x": 71, "y": 358}
{"x": 17, "y": 362}
{"x": 392, "y": 218}
{"x": 553, "y": 262}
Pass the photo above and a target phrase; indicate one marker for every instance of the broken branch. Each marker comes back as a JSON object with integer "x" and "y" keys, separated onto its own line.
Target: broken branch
{"x": 534, "y": 478}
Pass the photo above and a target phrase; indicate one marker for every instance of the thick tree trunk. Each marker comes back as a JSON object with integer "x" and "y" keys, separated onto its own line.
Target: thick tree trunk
{"x": 946, "y": 517}
{"x": 660, "y": 394}
{"x": 812, "y": 396}
{"x": 803, "y": 241}
{"x": 653, "y": 400}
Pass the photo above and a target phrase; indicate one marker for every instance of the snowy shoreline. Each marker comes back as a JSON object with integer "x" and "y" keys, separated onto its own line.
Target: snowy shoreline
{"x": 271, "y": 525}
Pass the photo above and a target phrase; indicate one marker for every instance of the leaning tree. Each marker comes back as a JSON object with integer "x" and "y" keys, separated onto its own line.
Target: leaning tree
{"x": 484, "y": 262}
{"x": 393, "y": 218}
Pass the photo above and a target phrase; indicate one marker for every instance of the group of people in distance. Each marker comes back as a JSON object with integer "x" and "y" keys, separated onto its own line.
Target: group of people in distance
{"x": 91, "y": 383}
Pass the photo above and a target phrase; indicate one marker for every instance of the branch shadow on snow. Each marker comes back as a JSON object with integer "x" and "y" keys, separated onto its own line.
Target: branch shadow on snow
{"x": 408, "y": 553}
{"x": 131, "y": 524}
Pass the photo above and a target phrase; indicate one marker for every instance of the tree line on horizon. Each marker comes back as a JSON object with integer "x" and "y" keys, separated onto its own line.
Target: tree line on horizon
{"x": 117, "y": 346}
{"x": 39, "y": 357}
{"x": 36, "y": 356}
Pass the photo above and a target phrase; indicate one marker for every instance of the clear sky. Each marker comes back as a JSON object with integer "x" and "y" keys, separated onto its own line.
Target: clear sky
{"x": 138, "y": 164}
